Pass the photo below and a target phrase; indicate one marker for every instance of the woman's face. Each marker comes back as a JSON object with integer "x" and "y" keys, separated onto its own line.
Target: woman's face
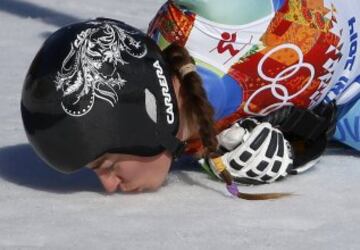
{"x": 130, "y": 173}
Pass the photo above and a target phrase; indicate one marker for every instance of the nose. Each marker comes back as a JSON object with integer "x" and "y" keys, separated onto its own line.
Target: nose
{"x": 109, "y": 181}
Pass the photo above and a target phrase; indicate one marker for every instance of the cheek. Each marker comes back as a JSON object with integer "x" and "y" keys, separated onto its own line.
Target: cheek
{"x": 129, "y": 171}
{"x": 157, "y": 184}
{"x": 156, "y": 177}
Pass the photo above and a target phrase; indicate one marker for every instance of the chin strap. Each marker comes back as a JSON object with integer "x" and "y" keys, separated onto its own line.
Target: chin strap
{"x": 171, "y": 143}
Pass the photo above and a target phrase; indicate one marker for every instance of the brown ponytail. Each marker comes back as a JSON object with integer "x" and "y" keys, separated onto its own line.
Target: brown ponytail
{"x": 197, "y": 108}
{"x": 199, "y": 113}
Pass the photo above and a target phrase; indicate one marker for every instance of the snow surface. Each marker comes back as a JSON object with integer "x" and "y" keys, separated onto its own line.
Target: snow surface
{"x": 42, "y": 209}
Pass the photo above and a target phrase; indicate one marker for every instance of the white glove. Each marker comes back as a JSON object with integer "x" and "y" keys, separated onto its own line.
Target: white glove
{"x": 255, "y": 152}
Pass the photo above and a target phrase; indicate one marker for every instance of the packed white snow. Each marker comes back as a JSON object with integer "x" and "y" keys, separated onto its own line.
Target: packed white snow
{"x": 43, "y": 209}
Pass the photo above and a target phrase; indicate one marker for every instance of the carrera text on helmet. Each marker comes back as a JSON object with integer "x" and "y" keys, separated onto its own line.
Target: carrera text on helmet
{"x": 165, "y": 91}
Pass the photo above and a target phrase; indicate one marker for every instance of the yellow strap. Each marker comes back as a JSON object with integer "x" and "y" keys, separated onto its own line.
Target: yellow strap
{"x": 219, "y": 164}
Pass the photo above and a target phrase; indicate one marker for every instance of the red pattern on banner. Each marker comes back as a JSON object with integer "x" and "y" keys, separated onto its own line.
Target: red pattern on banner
{"x": 173, "y": 24}
{"x": 314, "y": 45}
{"x": 281, "y": 28}
{"x": 304, "y": 28}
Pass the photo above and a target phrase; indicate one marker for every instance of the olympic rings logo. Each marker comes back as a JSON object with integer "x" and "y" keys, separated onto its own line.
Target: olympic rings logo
{"x": 278, "y": 90}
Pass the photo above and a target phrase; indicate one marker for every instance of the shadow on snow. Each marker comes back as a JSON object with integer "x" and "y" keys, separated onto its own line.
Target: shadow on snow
{"x": 20, "y": 165}
{"x": 25, "y": 9}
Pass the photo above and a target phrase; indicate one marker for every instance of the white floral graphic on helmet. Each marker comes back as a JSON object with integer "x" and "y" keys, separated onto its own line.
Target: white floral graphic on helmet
{"x": 90, "y": 69}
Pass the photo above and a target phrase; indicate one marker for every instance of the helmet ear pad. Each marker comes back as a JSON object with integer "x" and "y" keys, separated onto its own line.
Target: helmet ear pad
{"x": 95, "y": 87}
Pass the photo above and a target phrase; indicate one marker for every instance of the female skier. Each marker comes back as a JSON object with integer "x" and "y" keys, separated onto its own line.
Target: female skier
{"x": 101, "y": 93}
{"x": 109, "y": 99}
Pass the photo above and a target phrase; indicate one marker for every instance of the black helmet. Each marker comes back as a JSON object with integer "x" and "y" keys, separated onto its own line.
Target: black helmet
{"x": 95, "y": 87}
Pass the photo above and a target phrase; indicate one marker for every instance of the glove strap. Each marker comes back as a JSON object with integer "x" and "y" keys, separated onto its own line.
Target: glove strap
{"x": 304, "y": 123}
{"x": 307, "y": 130}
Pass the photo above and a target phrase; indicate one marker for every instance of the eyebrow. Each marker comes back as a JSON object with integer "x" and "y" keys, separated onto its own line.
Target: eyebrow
{"x": 94, "y": 168}
{"x": 99, "y": 162}
{"x": 96, "y": 163}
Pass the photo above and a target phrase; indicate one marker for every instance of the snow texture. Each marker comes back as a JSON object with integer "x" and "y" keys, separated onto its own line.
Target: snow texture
{"x": 42, "y": 209}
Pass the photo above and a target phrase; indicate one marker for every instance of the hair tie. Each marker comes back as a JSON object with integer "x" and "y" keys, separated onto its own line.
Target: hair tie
{"x": 186, "y": 69}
